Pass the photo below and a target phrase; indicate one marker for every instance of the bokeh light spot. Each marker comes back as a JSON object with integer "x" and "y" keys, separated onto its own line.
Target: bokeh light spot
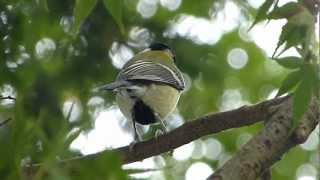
{"x": 306, "y": 172}
{"x": 5, "y": 91}
{"x": 213, "y": 148}
{"x": 306, "y": 178}
{"x": 184, "y": 152}
{"x": 147, "y": 8}
{"x": 237, "y": 58}
{"x": 199, "y": 150}
{"x": 170, "y": 4}
{"x": 66, "y": 23}
{"x": 95, "y": 105}
{"x": 255, "y": 3}
{"x": 45, "y": 48}
{"x": 107, "y": 126}
{"x": 148, "y": 163}
{"x": 140, "y": 37}
{"x": 199, "y": 171}
{"x": 312, "y": 142}
{"x": 120, "y": 54}
{"x": 231, "y": 99}
{"x": 72, "y": 108}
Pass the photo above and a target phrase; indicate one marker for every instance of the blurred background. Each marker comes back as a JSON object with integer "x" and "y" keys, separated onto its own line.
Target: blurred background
{"x": 53, "y": 53}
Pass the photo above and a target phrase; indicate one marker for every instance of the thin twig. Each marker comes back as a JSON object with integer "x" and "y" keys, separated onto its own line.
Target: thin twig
{"x": 7, "y": 97}
{"x": 5, "y": 122}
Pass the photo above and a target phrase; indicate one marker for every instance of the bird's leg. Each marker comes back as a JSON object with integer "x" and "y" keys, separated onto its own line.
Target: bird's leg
{"x": 164, "y": 128}
{"x": 136, "y": 136}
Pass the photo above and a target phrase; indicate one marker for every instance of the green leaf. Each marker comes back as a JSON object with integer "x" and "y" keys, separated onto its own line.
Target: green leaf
{"x": 290, "y": 82}
{"x": 292, "y": 34}
{"x": 285, "y": 11}
{"x": 71, "y": 137}
{"x": 81, "y": 11}
{"x": 115, "y": 9}
{"x": 317, "y": 80}
{"x": 290, "y": 62}
{"x": 302, "y": 95}
{"x": 283, "y": 36}
{"x": 262, "y": 12}
{"x": 43, "y": 4}
{"x": 200, "y": 10}
{"x": 297, "y": 31}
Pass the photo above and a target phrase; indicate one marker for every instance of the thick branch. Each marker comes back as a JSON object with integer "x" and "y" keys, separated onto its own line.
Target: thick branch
{"x": 190, "y": 131}
{"x": 267, "y": 147}
{"x": 210, "y": 124}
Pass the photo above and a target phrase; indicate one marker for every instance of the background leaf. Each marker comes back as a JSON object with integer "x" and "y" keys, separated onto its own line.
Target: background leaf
{"x": 285, "y": 11}
{"x": 299, "y": 30}
{"x": 115, "y": 9}
{"x": 69, "y": 69}
{"x": 290, "y": 62}
{"x": 302, "y": 95}
{"x": 290, "y": 82}
{"x": 81, "y": 11}
{"x": 262, "y": 12}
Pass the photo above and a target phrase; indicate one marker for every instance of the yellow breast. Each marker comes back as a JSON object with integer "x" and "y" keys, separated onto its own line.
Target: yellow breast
{"x": 162, "y": 99}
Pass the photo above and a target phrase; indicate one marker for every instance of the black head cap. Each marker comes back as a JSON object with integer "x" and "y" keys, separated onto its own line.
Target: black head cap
{"x": 157, "y": 46}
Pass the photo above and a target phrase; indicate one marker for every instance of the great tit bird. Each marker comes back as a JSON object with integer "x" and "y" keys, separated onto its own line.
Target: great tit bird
{"x": 148, "y": 87}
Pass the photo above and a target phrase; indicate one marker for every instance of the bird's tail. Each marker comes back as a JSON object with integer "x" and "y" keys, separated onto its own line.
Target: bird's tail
{"x": 112, "y": 86}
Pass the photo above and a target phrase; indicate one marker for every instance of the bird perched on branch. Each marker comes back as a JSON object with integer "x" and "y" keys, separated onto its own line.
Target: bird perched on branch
{"x": 148, "y": 87}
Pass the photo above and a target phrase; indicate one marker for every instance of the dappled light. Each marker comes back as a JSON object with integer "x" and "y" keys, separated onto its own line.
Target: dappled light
{"x": 45, "y": 48}
{"x": 147, "y": 8}
{"x": 72, "y": 109}
{"x": 140, "y": 37}
{"x": 213, "y": 149}
{"x": 199, "y": 170}
{"x": 184, "y": 152}
{"x": 237, "y": 58}
{"x": 55, "y": 55}
{"x": 106, "y": 133}
{"x": 171, "y": 4}
{"x": 306, "y": 172}
{"x": 312, "y": 142}
{"x": 119, "y": 54}
{"x": 231, "y": 99}
{"x": 6, "y": 90}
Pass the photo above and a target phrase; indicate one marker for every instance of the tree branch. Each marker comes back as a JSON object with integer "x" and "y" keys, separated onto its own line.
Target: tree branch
{"x": 7, "y": 97}
{"x": 267, "y": 147}
{"x": 190, "y": 131}
{"x": 2, "y": 123}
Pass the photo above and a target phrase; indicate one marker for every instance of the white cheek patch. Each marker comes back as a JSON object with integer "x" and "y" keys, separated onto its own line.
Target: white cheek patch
{"x": 133, "y": 91}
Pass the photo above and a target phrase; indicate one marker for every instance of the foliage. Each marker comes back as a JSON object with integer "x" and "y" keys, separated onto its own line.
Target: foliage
{"x": 56, "y": 51}
{"x": 298, "y": 32}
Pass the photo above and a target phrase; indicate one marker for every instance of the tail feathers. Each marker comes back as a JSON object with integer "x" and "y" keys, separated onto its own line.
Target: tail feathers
{"x": 112, "y": 86}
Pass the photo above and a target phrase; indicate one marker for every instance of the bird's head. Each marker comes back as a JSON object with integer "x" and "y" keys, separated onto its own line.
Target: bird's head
{"x": 156, "y": 46}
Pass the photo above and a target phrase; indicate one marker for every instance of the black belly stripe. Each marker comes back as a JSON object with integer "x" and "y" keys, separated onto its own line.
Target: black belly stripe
{"x": 142, "y": 113}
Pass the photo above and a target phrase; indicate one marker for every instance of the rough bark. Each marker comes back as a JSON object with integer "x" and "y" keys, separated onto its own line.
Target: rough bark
{"x": 258, "y": 154}
{"x": 268, "y": 146}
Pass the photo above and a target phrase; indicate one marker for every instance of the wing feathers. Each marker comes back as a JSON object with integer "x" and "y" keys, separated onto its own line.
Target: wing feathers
{"x": 152, "y": 71}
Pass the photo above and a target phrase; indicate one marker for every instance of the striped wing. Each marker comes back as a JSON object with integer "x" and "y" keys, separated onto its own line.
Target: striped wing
{"x": 151, "y": 71}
